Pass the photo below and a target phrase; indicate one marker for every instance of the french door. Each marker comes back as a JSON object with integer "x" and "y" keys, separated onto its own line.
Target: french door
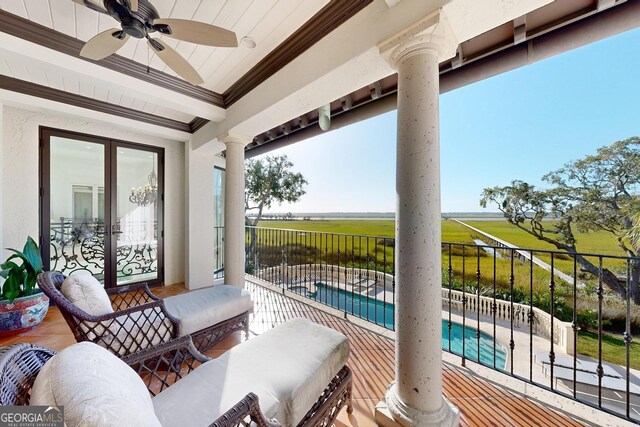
{"x": 101, "y": 207}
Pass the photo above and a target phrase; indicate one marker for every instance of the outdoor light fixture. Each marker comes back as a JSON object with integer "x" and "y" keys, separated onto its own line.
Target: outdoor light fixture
{"x": 147, "y": 195}
{"x": 324, "y": 117}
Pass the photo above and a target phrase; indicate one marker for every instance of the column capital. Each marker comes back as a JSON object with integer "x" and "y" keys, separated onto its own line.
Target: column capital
{"x": 433, "y": 33}
{"x": 235, "y": 138}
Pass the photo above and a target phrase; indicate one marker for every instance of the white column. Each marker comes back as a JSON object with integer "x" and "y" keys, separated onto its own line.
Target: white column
{"x": 200, "y": 239}
{"x": 415, "y": 397}
{"x": 234, "y": 236}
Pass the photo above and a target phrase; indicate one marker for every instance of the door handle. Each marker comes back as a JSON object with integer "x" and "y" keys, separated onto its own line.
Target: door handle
{"x": 115, "y": 229}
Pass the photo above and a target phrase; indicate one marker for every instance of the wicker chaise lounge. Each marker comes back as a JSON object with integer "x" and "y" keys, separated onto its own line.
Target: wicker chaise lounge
{"x": 130, "y": 318}
{"x": 292, "y": 375}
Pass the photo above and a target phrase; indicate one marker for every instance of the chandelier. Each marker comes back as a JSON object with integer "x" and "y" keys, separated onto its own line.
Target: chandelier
{"x": 143, "y": 196}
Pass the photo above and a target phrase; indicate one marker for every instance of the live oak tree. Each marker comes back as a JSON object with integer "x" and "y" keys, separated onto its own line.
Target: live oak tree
{"x": 267, "y": 181}
{"x": 600, "y": 192}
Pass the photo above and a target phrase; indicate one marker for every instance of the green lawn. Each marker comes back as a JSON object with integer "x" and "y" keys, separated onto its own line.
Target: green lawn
{"x": 451, "y": 231}
{"x": 613, "y": 348}
{"x": 382, "y": 228}
{"x": 599, "y": 242}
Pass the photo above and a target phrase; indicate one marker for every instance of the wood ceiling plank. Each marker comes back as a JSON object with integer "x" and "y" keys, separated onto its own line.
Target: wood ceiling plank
{"x": 185, "y": 9}
{"x": 105, "y": 22}
{"x": 14, "y": 6}
{"x": 228, "y": 18}
{"x": 137, "y": 104}
{"x": 71, "y": 84}
{"x": 19, "y": 71}
{"x": 260, "y": 12}
{"x": 101, "y": 92}
{"x": 114, "y": 97}
{"x": 63, "y": 16}
{"x": 149, "y": 108}
{"x": 4, "y": 68}
{"x": 38, "y": 11}
{"x": 126, "y": 101}
{"x": 54, "y": 80}
{"x": 223, "y": 72}
{"x": 86, "y": 87}
{"x": 164, "y": 7}
{"x": 159, "y": 110}
{"x": 37, "y": 75}
{"x": 86, "y": 23}
{"x": 141, "y": 52}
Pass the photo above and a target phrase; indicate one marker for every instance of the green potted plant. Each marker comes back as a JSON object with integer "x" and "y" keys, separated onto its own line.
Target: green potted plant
{"x": 22, "y": 304}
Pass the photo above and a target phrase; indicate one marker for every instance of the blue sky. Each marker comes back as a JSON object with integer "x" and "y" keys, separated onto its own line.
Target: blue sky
{"x": 517, "y": 125}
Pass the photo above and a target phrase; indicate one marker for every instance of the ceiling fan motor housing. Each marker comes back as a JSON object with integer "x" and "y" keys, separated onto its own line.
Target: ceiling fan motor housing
{"x": 136, "y": 24}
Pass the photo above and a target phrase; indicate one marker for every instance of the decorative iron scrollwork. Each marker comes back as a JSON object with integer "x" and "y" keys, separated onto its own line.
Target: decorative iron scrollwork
{"x": 79, "y": 246}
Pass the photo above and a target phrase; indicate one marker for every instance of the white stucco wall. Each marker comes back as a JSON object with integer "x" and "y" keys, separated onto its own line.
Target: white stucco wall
{"x": 19, "y": 156}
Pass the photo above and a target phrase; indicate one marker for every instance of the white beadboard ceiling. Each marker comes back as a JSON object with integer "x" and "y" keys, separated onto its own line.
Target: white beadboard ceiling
{"x": 268, "y": 22}
{"x": 38, "y": 72}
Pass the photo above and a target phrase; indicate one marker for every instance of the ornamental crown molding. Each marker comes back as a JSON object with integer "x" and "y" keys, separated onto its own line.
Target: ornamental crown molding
{"x": 433, "y": 32}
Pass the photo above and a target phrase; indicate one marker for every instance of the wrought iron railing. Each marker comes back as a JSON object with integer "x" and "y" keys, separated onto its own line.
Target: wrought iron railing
{"x": 79, "y": 246}
{"x": 564, "y": 332}
{"x": 219, "y": 252}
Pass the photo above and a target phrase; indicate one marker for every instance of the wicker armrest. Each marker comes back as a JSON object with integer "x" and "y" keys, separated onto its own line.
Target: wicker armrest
{"x": 130, "y": 295}
{"x": 183, "y": 344}
{"x": 19, "y": 366}
{"x": 127, "y": 331}
{"x": 241, "y": 412}
{"x": 157, "y": 305}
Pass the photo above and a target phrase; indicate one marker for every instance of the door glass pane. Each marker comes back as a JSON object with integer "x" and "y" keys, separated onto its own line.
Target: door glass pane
{"x": 218, "y": 206}
{"x": 137, "y": 216}
{"x": 77, "y": 220}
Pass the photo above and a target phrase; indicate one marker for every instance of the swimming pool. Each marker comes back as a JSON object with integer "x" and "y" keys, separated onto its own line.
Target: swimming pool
{"x": 382, "y": 313}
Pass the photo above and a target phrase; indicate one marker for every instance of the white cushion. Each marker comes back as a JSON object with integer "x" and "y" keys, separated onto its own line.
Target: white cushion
{"x": 95, "y": 387}
{"x": 287, "y": 367}
{"x": 86, "y": 293}
{"x": 205, "y": 307}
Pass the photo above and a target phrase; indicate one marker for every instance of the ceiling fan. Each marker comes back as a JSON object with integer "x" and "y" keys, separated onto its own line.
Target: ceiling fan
{"x": 139, "y": 19}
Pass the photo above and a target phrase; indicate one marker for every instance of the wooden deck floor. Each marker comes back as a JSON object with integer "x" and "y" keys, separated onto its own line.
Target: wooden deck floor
{"x": 372, "y": 361}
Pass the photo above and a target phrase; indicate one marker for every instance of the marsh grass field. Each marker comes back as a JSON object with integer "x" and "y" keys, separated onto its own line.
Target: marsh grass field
{"x": 600, "y": 242}
{"x": 338, "y": 241}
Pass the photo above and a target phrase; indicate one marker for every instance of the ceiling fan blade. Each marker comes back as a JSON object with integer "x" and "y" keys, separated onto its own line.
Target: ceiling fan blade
{"x": 104, "y": 44}
{"x": 93, "y": 5}
{"x": 133, "y": 5}
{"x": 176, "y": 62}
{"x": 198, "y": 32}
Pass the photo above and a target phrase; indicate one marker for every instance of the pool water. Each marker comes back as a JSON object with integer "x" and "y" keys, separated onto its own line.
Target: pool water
{"x": 382, "y": 313}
